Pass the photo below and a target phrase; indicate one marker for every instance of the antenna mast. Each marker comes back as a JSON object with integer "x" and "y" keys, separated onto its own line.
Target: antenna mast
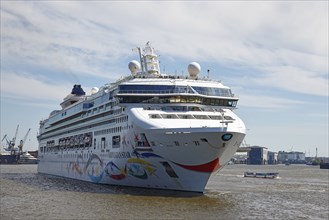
{"x": 141, "y": 58}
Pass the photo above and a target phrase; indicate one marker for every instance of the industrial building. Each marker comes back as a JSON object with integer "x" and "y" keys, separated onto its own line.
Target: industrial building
{"x": 272, "y": 157}
{"x": 261, "y": 155}
{"x": 257, "y": 155}
{"x": 291, "y": 157}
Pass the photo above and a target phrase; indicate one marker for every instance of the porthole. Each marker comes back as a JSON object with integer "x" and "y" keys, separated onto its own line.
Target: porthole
{"x": 227, "y": 137}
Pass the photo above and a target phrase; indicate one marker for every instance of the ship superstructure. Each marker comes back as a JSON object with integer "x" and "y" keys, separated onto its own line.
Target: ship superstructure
{"x": 145, "y": 130}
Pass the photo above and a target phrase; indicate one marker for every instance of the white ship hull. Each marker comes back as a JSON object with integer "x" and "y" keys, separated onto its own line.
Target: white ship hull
{"x": 172, "y": 157}
{"x": 187, "y": 169}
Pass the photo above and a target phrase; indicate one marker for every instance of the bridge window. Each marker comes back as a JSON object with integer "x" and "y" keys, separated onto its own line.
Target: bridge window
{"x": 178, "y": 99}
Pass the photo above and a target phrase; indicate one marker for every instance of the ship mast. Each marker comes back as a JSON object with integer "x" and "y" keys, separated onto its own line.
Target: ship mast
{"x": 151, "y": 61}
{"x": 141, "y": 58}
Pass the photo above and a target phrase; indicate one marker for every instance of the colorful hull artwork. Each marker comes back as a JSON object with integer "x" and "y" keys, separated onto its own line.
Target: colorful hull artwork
{"x": 135, "y": 167}
{"x": 136, "y": 164}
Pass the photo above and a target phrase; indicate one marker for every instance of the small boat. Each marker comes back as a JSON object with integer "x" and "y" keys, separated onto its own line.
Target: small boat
{"x": 27, "y": 158}
{"x": 261, "y": 175}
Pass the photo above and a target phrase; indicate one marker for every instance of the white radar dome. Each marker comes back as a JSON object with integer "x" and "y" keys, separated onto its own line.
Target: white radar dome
{"x": 134, "y": 66}
{"x": 194, "y": 69}
{"x": 94, "y": 90}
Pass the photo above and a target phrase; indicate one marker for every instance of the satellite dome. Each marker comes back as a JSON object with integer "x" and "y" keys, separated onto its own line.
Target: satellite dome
{"x": 194, "y": 69}
{"x": 134, "y": 66}
{"x": 94, "y": 90}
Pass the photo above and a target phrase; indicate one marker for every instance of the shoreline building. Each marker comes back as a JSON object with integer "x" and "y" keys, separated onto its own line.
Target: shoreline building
{"x": 272, "y": 157}
{"x": 240, "y": 158}
{"x": 257, "y": 155}
{"x": 291, "y": 157}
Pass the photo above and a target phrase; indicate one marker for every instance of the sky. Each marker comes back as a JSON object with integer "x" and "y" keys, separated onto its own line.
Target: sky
{"x": 273, "y": 55}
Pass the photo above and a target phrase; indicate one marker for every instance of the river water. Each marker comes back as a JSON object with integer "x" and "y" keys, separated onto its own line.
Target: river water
{"x": 301, "y": 192}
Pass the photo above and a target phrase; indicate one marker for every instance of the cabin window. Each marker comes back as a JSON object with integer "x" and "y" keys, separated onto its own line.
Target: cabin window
{"x": 155, "y": 116}
{"x": 201, "y": 116}
{"x": 186, "y": 116}
{"x": 103, "y": 143}
{"x": 228, "y": 117}
{"x": 116, "y": 141}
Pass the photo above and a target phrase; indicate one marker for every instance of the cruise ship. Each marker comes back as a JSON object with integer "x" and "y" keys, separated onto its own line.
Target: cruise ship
{"x": 147, "y": 129}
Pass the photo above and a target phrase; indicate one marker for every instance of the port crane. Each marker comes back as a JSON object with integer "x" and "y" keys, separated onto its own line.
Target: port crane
{"x": 6, "y": 138}
{"x": 11, "y": 143}
{"x": 22, "y": 142}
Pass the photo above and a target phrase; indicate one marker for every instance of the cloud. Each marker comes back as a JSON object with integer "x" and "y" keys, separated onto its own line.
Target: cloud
{"x": 295, "y": 79}
{"x": 53, "y": 40}
{"x": 31, "y": 89}
{"x": 278, "y": 40}
{"x": 268, "y": 103}
{"x": 319, "y": 115}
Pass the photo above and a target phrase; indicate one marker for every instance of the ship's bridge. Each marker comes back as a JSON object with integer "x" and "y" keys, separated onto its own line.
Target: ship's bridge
{"x": 167, "y": 89}
{"x": 162, "y": 91}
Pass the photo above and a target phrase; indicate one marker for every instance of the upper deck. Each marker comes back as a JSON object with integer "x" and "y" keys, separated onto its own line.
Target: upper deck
{"x": 174, "y": 85}
{"x": 168, "y": 90}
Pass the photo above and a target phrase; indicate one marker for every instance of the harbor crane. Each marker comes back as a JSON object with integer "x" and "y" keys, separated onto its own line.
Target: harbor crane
{"x": 14, "y": 138}
{"x": 11, "y": 143}
{"x": 22, "y": 142}
{"x": 5, "y": 138}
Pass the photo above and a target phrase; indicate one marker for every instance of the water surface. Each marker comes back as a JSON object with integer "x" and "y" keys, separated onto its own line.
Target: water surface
{"x": 301, "y": 192}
